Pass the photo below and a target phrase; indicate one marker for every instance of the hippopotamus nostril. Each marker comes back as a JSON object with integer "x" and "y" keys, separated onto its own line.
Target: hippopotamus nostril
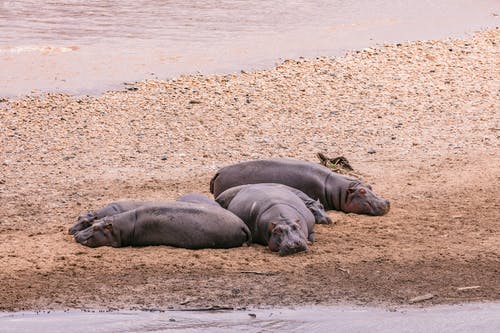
{"x": 387, "y": 206}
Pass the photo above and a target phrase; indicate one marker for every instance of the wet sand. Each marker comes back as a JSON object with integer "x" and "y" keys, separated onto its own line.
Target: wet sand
{"x": 426, "y": 111}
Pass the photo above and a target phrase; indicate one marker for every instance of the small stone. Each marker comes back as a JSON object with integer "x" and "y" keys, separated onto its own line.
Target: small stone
{"x": 164, "y": 158}
{"x": 371, "y": 151}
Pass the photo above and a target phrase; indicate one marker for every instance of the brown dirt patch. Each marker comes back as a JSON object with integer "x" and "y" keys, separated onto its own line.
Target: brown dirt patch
{"x": 429, "y": 110}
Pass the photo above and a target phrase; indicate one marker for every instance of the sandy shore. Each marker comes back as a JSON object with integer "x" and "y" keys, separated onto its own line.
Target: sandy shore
{"x": 428, "y": 109}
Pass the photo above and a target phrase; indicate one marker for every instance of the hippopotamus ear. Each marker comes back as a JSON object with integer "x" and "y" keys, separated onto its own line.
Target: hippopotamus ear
{"x": 352, "y": 187}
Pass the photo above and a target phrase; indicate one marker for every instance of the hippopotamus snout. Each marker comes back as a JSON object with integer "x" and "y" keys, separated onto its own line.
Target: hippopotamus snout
{"x": 287, "y": 238}
{"x": 98, "y": 234}
{"x": 380, "y": 207}
{"x": 292, "y": 247}
{"x": 82, "y": 223}
{"x": 322, "y": 218}
{"x": 360, "y": 199}
{"x": 319, "y": 213}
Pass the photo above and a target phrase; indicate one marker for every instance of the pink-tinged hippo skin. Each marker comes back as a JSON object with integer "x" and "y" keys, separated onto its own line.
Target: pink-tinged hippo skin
{"x": 85, "y": 221}
{"x": 314, "y": 206}
{"x": 275, "y": 216}
{"x": 178, "y": 224}
{"x": 334, "y": 191}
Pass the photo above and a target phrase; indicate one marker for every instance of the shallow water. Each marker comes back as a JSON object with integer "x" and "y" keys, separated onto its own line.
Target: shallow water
{"x": 479, "y": 317}
{"x": 87, "y": 47}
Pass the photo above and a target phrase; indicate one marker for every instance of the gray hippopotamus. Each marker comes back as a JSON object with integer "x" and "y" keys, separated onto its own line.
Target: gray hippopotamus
{"x": 84, "y": 221}
{"x": 314, "y": 206}
{"x": 275, "y": 216}
{"x": 179, "y": 224}
{"x": 333, "y": 190}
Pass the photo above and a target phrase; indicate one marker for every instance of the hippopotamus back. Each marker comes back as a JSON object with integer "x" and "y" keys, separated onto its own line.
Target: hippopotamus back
{"x": 333, "y": 190}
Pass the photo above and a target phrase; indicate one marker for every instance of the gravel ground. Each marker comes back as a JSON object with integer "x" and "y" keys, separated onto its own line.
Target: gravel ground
{"x": 419, "y": 121}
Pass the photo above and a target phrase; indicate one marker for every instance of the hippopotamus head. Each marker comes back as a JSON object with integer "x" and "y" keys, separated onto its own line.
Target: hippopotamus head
{"x": 360, "y": 199}
{"x": 286, "y": 237}
{"x": 320, "y": 216}
{"x": 98, "y": 234}
{"x": 83, "y": 222}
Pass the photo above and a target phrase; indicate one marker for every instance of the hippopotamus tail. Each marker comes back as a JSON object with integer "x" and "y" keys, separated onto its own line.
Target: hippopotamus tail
{"x": 212, "y": 183}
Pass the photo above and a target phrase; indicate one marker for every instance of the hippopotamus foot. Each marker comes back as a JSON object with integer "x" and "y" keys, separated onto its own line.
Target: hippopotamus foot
{"x": 312, "y": 237}
{"x": 322, "y": 218}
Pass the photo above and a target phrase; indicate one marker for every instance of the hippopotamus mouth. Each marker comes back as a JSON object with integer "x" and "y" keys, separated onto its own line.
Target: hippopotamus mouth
{"x": 83, "y": 236}
{"x": 295, "y": 248}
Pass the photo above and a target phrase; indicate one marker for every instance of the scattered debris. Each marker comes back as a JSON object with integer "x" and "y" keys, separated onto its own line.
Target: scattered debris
{"x": 468, "y": 288}
{"x": 337, "y": 164}
{"x": 344, "y": 270}
{"x": 259, "y": 273}
{"x": 421, "y": 298}
{"x": 186, "y": 301}
{"x": 209, "y": 308}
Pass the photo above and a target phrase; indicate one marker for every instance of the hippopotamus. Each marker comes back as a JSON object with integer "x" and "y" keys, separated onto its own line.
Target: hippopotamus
{"x": 334, "y": 191}
{"x": 84, "y": 221}
{"x": 314, "y": 206}
{"x": 275, "y": 216}
{"x": 179, "y": 224}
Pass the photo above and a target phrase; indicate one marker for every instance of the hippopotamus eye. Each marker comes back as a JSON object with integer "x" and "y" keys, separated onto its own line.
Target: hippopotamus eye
{"x": 294, "y": 227}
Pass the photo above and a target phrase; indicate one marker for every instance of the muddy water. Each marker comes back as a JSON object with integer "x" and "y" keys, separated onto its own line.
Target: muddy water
{"x": 480, "y": 317}
{"x": 88, "y": 46}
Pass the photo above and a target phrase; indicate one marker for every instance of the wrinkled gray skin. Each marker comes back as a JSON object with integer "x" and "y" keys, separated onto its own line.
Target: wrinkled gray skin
{"x": 275, "y": 216}
{"x": 314, "y": 206}
{"x": 85, "y": 221}
{"x": 179, "y": 224}
{"x": 333, "y": 190}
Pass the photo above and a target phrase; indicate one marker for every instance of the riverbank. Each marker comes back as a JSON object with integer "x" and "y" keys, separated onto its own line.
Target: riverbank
{"x": 426, "y": 111}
